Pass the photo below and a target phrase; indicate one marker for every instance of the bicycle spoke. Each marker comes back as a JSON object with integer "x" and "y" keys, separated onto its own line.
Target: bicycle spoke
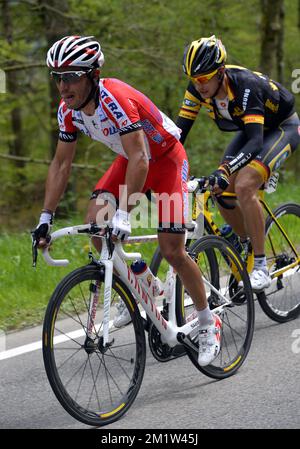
{"x": 95, "y": 383}
{"x": 67, "y": 336}
{"x": 224, "y": 270}
{"x": 69, "y": 358}
{"x": 281, "y": 301}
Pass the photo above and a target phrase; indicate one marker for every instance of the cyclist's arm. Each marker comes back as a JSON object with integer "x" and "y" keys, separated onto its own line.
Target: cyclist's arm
{"x": 253, "y": 118}
{"x": 185, "y": 125}
{"x": 58, "y": 174}
{"x": 254, "y": 133}
{"x": 188, "y": 111}
{"x": 138, "y": 165}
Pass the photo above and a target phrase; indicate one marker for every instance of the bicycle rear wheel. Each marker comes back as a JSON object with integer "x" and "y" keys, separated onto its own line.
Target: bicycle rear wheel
{"x": 159, "y": 267}
{"x": 96, "y": 384}
{"x": 237, "y": 317}
{"x": 281, "y": 301}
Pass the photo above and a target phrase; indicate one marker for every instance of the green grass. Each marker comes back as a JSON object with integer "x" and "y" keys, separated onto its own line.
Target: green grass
{"x": 25, "y": 291}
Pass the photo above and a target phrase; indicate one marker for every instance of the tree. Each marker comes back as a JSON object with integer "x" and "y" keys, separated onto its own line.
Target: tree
{"x": 16, "y": 144}
{"x": 57, "y": 24}
{"x": 272, "y": 38}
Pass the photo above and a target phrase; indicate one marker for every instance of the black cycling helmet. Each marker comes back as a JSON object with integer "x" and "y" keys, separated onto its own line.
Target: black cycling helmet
{"x": 203, "y": 56}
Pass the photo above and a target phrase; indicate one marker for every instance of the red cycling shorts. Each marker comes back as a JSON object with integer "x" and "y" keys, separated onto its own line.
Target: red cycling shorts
{"x": 167, "y": 178}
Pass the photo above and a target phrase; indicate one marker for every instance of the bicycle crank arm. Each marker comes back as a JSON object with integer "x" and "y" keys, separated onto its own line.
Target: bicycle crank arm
{"x": 183, "y": 339}
{"x": 178, "y": 351}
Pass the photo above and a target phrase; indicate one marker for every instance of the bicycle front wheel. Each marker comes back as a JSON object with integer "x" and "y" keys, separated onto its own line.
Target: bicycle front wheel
{"x": 281, "y": 301}
{"x": 237, "y": 313}
{"x": 95, "y": 383}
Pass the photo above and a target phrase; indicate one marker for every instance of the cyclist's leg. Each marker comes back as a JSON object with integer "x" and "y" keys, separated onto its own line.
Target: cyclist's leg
{"x": 247, "y": 184}
{"x": 169, "y": 181}
{"x": 279, "y": 144}
{"x": 234, "y": 217}
{"x": 104, "y": 199}
{"x": 173, "y": 250}
{"x": 277, "y": 147}
{"x": 103, "y": 204}
{"x": 170, "y": 184}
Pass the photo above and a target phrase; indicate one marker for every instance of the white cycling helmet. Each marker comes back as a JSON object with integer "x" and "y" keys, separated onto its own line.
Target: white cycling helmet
{"x": 75, "y": 51}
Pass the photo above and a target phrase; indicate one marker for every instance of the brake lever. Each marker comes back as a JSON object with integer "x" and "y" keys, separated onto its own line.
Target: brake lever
{"x": 34, "y": 250}
{"x": 203, "y": 184}
{"x": 34, "y": 247}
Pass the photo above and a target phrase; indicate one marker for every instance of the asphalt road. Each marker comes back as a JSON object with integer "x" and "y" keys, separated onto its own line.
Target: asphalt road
{"x": 265, "y": 393}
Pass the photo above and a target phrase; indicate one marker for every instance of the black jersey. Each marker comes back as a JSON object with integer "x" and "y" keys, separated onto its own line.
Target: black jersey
{"x": 253, "y": 98}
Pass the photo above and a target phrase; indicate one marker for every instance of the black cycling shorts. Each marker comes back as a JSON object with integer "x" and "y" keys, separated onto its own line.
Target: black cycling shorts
{"x": 278, "y": 145}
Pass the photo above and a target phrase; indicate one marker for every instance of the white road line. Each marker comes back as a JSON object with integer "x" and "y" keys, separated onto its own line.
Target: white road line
{"x": 38, "y": 345}
{"x": 20, "y": 350}
{"x": 30, "y": 347}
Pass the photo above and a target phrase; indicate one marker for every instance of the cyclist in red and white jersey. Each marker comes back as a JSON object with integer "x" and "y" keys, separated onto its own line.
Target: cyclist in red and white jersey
{"x": 150, "y": 156}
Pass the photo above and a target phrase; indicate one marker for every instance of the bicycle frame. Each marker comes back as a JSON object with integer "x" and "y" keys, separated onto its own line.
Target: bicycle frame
{"x": 201, "y": 207}
{"x": 284, "y": 233}
{"x": 116, "y": 261}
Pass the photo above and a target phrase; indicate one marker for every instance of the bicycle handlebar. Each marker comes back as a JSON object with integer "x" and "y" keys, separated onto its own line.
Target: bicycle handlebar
{"x": 92, "y": 229}
{"x": 70, "y": 230}
{"x": 206, "y": 183}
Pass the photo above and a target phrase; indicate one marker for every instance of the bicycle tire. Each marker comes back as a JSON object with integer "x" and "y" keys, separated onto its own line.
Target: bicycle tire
{"x": 158, "y": 258}
{"x": 161, "y": 351}
{"x": 281, "y": 301}
{"x": 156, "y": 261}
{"x": 105, "y": 380}
{"x": 236, "y": 341}
{"x": 211, "y": 270}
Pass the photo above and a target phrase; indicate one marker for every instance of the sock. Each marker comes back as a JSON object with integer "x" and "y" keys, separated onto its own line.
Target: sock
{"x": 205, "y": 317}
{"x": 260, "y": 263}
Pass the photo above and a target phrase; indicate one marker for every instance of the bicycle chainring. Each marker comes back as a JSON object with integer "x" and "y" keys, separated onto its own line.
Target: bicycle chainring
{"x": 161, "y": 351}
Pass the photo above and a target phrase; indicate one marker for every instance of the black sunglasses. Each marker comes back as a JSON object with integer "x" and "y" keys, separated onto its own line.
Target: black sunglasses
{"x": 68, "y": 77}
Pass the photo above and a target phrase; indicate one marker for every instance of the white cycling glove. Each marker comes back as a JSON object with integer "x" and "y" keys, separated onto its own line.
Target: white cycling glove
{"x": 121, "y": 224}
{"x": 46, "y": 217}
{"x": 44, "y": 226}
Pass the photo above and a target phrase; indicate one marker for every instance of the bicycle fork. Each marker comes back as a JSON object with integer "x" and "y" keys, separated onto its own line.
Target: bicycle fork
{"x": 91, "y": 325}
{"x": 107, "y": 297}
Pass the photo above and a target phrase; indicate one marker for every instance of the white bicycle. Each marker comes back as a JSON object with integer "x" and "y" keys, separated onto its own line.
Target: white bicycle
{"x": 96, "y": 369}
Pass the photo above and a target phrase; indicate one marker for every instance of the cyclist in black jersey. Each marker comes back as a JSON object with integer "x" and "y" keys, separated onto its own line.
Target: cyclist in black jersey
{"x": 262, "y": 113}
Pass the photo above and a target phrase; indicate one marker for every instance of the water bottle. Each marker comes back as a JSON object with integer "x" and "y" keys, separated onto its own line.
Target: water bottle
{"x": 147, "y": 278}
{"x": 228, "y": 233}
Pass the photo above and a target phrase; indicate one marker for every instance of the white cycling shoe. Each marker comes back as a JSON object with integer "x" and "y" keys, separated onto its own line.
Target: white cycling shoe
{"x": 260, "y": 280}
{"x": 122, "y": 317}
{"x": 209, "y": 341}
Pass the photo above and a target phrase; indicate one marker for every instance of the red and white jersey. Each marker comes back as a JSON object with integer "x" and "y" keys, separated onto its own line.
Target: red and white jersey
{"x": 122, "y": 109}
